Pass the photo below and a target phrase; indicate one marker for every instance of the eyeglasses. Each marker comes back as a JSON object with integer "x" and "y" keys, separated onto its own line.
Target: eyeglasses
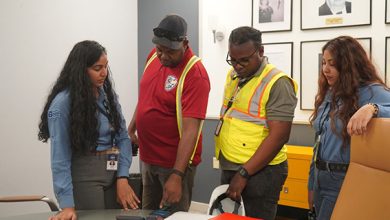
{"x": 243, "y": 61}
{"x": 158, "y": 32}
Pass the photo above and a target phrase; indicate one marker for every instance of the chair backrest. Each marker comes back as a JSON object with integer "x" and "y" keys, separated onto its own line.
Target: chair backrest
{"x": 366, "y": 188}
{"x": 220, "y": 203}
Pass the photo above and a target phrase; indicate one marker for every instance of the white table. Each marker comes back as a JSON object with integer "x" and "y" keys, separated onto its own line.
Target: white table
{"x": 188, "y": 216}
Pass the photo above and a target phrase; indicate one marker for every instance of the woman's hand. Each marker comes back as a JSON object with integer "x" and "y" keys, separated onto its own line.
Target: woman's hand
{"x": 65, "y": 214}
{"x": 125, "y": 195}
{"x": 357, "y": 125}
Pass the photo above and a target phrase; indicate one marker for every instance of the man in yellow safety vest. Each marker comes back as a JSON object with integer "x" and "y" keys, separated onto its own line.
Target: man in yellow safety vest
{"x": 255, "y": 123}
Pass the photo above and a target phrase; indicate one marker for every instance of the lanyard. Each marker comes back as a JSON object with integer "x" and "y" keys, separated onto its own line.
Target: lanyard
{"x": 317, "y": 144}
{"x": 235, "y": 93}
{"x": 322, "y": 119}
{"x": 230, "y": 103}
{"x": 108, "y": 114}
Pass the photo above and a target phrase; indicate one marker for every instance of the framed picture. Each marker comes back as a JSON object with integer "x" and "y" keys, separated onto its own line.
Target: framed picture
{"x": 311, "y": 64}
{"x": 316, "y": 14}
{"x": 271, "y": 15}
{"x": 387, "y": 62}
{"x": 387, "y": 14}
{"x": 280, "y": 55}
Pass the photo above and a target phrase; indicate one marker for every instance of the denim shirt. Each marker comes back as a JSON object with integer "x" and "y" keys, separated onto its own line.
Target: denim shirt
{"x": 61, "y": 152}
{"x": 332, "y": 149}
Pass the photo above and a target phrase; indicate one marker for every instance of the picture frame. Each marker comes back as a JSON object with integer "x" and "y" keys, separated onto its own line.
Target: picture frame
{"x": 387, "y": 12}
{"x": 272, "y": 15}
{"x": 316, "y": 14}
{"x": 281, "y": 55}
{"x": 311, "y": 64}
{"x": 387, "y": 61}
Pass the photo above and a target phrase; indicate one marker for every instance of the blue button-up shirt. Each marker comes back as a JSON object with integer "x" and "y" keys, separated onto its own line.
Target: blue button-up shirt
{"x": 332, "y": 149}
{"x": 61, "y": 152}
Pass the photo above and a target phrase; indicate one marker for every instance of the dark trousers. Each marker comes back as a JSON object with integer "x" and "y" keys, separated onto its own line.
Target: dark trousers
{"x": 261, "y": 194}
{"x": 94, "y": 187}
{"x": 154, "y": 178}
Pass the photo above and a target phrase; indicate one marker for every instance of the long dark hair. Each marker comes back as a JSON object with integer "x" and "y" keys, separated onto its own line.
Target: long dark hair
{"x": 83, "y": 107}
{"x": 355, "y": 70}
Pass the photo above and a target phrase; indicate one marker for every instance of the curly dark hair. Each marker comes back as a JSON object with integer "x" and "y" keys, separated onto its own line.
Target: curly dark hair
{"x": 355, "y": 70}
{"x": 83, "y": 107}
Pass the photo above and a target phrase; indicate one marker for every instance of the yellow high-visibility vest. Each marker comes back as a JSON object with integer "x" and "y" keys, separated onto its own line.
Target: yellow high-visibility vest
{"x": 244, "y": 125}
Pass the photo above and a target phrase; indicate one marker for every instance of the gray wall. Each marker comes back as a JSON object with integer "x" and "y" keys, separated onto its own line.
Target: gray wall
{"x": 150, "y": 12}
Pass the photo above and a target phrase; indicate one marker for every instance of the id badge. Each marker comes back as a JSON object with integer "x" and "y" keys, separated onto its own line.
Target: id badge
{"x": 218, "y": 128}
{"x": 112, "y": 162}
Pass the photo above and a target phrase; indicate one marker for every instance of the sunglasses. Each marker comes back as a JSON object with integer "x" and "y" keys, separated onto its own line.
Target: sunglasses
{"x": 158, "y": 32}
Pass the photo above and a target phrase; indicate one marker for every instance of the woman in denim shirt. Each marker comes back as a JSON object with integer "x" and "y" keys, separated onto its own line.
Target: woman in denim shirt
{"x": 350, "y": 94}
{"x": 83, "y": 119}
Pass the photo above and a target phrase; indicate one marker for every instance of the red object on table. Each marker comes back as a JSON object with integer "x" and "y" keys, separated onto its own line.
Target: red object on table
{"x": 230, "y": 216}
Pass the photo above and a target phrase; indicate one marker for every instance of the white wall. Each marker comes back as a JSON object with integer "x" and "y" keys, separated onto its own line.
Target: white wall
{"x": 226, "y": 15}
{"x": 36, "y": 38}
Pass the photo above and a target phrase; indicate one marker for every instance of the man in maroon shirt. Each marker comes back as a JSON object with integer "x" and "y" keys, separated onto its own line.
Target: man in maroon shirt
{"x": 168, "y": 163}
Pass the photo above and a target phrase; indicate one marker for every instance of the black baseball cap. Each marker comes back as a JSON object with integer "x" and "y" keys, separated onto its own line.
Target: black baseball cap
{"x": 171, "y": 32}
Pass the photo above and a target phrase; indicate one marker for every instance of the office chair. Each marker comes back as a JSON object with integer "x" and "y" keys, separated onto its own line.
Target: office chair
{"x": 365, "y": 191}
{"x": 31, "y": 198}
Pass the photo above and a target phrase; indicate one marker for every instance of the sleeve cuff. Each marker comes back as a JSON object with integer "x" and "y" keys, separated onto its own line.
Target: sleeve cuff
{"x": 66, "y": 202}
{"x": 122, "y": 171}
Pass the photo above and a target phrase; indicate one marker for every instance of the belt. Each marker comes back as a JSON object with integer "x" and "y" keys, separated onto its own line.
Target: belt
{"x": 331, "y": 167}
{"x": 112, "y": 150}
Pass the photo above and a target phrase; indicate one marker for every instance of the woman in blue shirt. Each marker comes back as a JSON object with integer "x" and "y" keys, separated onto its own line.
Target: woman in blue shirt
{"x": 350, "y": 93}
{"x": 83, "y": 119}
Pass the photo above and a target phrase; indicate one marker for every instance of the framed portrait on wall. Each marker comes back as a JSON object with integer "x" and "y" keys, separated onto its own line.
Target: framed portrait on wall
{"x": 387, "y": 14}
{"x": 311, "y": 64}
{"x": 387, "y": 61}
{"x": 316, "y": 14}
{"x": 272, "y": 15}
{"x": 280, "y": 55}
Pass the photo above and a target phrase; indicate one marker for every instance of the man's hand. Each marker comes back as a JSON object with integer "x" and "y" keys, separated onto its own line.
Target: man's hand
{"x": 172, "y": 190}
{"x": 132, "y": 135}
{"x": 236, "y": 186}
{"x": 65, "y": 214}
{"x": 132, "y": 128}
{"x": 125, "y": 195}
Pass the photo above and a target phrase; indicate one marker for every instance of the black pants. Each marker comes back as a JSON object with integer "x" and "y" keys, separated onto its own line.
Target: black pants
{"x": 261, "y": 194}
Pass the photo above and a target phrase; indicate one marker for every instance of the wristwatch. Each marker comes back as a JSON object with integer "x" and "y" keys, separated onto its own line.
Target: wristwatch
{"x": 243, "y": 172}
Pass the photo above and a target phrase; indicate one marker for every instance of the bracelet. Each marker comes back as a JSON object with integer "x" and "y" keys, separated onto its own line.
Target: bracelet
{"x": 376, "y": 109}
{"x": 178, "y": 172}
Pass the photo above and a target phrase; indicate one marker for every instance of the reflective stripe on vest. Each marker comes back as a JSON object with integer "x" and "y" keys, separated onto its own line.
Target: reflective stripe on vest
{"x": 245, "y": 124}
{"x": 254, "y": 110}
{"x": 179, "y": 91}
